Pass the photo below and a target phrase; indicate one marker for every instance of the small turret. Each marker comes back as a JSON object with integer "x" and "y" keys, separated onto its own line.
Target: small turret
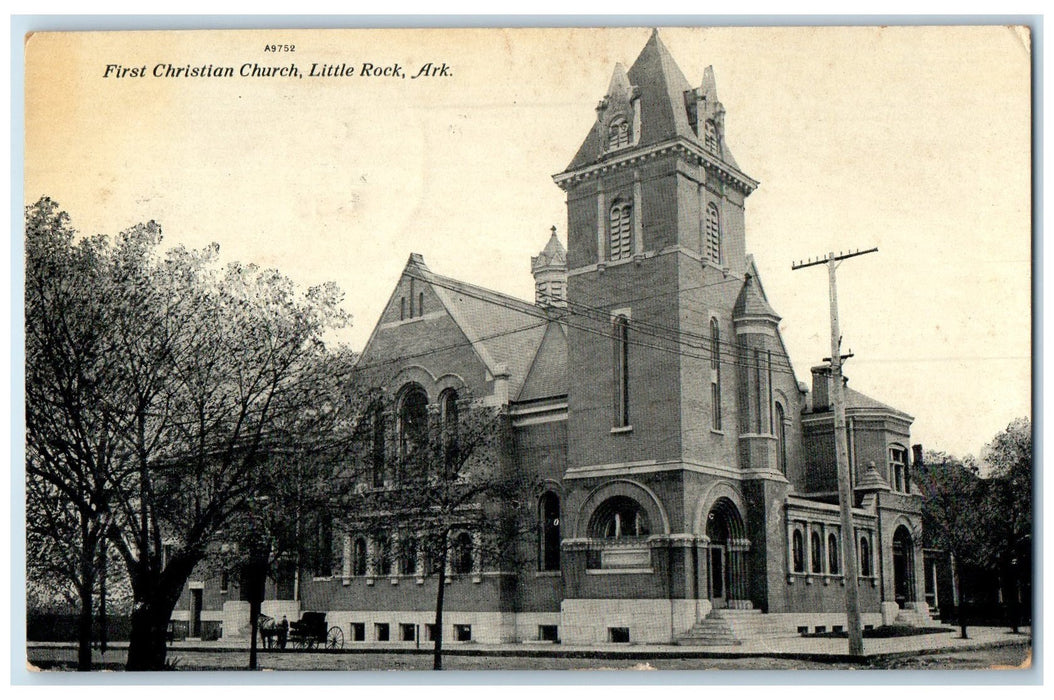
{"x": 550, "y": 273}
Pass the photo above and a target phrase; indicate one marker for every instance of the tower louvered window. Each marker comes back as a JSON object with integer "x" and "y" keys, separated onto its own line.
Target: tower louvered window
{"x": 618, "y": 134}
{"x": 710, "y": 137}
{"x": 712, "y": 234}
{"x": 621, "y": 231}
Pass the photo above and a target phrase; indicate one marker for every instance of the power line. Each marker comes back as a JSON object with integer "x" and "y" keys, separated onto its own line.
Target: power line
{"x": 542, "y": 313}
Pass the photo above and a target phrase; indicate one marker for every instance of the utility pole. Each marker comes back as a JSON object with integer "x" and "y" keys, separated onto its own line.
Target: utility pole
{"x": 845, "y": 489}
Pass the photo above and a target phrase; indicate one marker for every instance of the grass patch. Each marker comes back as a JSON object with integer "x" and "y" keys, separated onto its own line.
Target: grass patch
{"x": 883, "y": 632}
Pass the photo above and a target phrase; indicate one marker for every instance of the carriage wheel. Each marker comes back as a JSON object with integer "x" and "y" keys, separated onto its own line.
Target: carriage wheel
{"x": 335, "y": 638}
{"x": 300, "y": 643}
{"x": 311, "y": 643}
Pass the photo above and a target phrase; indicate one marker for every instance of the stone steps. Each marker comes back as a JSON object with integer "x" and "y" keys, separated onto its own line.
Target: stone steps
{"x": 732, "y": 627}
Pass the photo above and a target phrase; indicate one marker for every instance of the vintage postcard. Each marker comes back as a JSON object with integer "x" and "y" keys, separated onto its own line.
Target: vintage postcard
{"x": 530, "y": 349}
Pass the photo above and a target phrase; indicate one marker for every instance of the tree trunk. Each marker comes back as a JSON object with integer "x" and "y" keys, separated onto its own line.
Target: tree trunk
{"x": 84, "y": 626}
{"x": 147, "y": 648}
{"x": 962, "y": 604}
{"x": 437, "y": 650}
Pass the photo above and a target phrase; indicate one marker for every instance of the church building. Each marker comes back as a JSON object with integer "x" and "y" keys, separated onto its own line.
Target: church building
{"x": 689, "y": 488}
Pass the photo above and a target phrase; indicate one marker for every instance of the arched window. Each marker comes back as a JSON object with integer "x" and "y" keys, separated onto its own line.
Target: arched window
{"x": 323, "y": 546}
{"x": 378, "y": 447}
{"x": 448, "y": 414}
{"x": 358, "y": 557}
{"x": 420, "y": 303}
{"x": 621, "y": 229}
{"x": 712, "y": 234}
{"x": 402, "y": 308}
{"x": 832, "y": 553}
{"x": 382, "y": 556}
{"x": 865, "y": 556}
{"x": 898, "y": 468}
{"x": 781, "y": 440}
{"x": 619, "y": 133}
{"x": 620, "y": 369}
{"x": 817, "y": 552}
{"x": 710, "y": 136}
{"x": 407, "y": 555}
{"x": 715, "y": 375}
{"x": 798, "y": 551}
{"x": 461, "y": 556}
{"x": 549, "y": 532}
{"x": 619, "y": 517}
{"x": 413, "y": 420}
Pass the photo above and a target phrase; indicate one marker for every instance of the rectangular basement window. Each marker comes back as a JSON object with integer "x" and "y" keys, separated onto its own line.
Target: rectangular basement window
{"x": 803, "y": 629}
{"x": 358, "y": 631}
{"x": 463, "y": 633}
{"x": 838, "y": 628}
{"x": 548, "y": 633}
{"x": 430, "y": 632}
{"x": 380, "y": 631}
{"x": 406, "y": 632}
{"x": 618, "y": 635}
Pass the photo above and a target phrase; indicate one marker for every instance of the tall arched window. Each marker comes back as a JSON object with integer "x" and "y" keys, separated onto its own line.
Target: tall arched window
{"x": 402, "y": 308}
{"x": 323, "y": 546}
{"x": 382, "y": 556}
{"x": 619, "y": 133}
{"x": 358, "y": 557}
{"x": 549, "y": 532}
{"x": 621, "y": 229}
{"x": 712, "y": 234}
{"x": 448, "y": 409}
{"x": 619, "y": 517}
{"x": 798, "y": 551}
{"x": 865, "y": 556}
{"x": 715, "y": 375}
{"x": 620, "y": 370}
{"x": 781, "y": 440}
{"x": 378, "y": 448}
{"x": 461, "y": 556}
{"x": 407, "y": 555}
{"x": 710, "y": 136}
{"x": 413, "y": 420}
{"x": 832, "y": 553}
{"x": 420, "y": 303}
{"x": 817, "y": 552}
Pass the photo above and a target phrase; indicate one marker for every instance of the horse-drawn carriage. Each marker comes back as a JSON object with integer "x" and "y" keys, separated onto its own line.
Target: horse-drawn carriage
{"x": 309, "y": 632}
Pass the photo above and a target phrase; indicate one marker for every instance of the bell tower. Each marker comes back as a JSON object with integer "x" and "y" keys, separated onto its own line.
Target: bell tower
{"x": 655, "y": 248}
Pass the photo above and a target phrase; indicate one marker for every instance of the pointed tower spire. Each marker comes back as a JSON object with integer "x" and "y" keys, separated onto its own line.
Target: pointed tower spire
{"x": 550, "y": 273}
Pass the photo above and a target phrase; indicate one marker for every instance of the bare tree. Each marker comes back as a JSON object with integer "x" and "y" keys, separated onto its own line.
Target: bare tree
{"x": 444, "y": 495}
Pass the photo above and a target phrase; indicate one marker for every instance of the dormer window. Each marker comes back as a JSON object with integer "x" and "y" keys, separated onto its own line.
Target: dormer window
{"x": 710, "y": 137}
{"x": 619, "y": 133}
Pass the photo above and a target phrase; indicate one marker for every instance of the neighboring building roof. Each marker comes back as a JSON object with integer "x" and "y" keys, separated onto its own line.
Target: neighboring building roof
{"x": 548, "y": 373}
{"x": 855, "y": 400}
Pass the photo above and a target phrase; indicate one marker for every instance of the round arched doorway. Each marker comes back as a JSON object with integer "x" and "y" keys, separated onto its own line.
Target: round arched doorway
{"x": 729, "y": 550}
{"x": 903, "y": 566}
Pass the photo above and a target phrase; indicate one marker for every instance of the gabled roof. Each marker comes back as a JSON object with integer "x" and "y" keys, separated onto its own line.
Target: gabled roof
{"x": 855, "y": 400}
{"x": 504, "y": 331}
{"x": 548, "y": 374}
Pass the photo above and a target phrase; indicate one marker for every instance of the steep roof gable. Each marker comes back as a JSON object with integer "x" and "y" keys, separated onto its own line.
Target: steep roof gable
{"x": 548, "y": 374}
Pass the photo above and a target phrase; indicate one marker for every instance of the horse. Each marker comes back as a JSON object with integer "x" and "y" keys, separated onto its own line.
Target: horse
{"x": 268, "y": 628}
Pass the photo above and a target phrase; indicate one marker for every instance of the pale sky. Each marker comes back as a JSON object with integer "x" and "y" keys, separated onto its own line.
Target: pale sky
{"x": 915, "y": 140}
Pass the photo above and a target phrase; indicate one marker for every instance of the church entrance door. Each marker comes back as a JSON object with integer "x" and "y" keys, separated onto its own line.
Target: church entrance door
{"x": 729, "y": 552}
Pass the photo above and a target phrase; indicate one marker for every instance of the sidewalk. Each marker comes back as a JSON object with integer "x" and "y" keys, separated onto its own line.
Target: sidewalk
{"x": 802, "y": 648}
